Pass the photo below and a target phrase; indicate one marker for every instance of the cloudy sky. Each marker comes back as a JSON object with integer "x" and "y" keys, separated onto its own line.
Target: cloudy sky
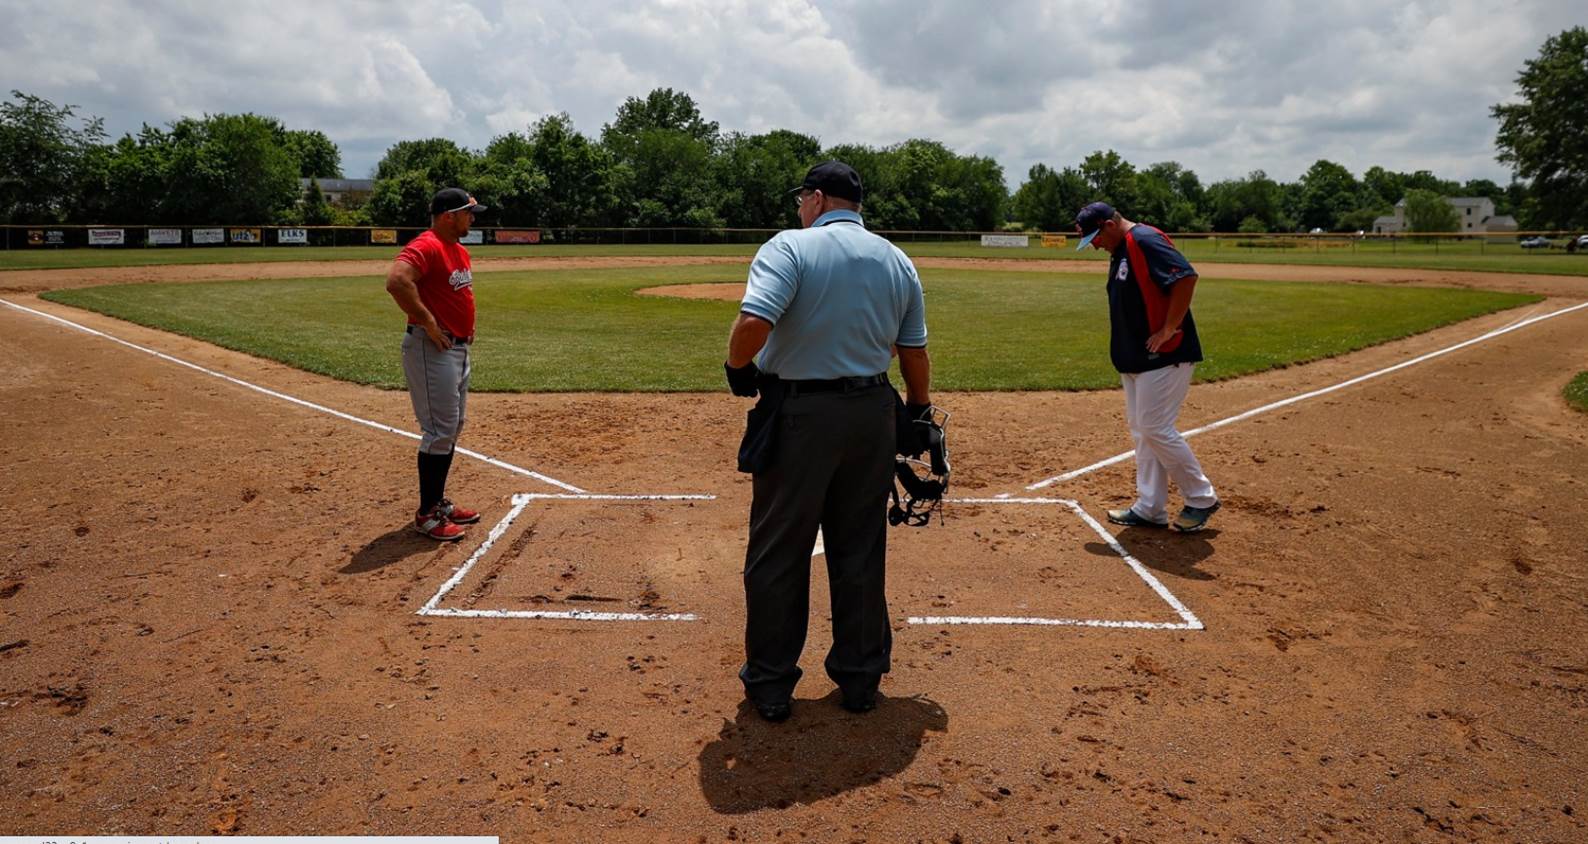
{"x": 1222, "y": 88}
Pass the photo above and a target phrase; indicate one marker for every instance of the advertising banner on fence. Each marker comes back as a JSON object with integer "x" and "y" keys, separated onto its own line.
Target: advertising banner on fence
{"x": 209, "y": 236}
{"x": 246, "y": 236}
{"x": 165, "y": 237}
{"x": 517, "y": 236}
{"x": 35, "y": 237}
{"x": 1018, "y": 241}
{"x": 107, "y": 237}
{"x": 292, "y": 236}
{"x": 382, "y": 235}
{"x": 1054, "y": 241}
{"x": 474, "y": 237}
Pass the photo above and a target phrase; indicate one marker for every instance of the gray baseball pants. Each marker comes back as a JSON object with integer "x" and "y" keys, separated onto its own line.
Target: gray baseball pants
{"x": 438, "y": 386}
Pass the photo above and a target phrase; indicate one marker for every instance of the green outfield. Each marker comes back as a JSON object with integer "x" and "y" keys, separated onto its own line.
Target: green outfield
{"x": 1577, "y": 392}
{"x": 586, "y": 330}
{"x": 1430, "y": 255}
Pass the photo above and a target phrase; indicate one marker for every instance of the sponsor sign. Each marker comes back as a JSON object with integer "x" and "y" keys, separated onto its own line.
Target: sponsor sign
{"x": 1018, "y": 241}
{"x": 35, "y": 237}
{"x": 209, "y": 236}
{"x": 1054, "y": 241}
{"x": 54, "y": 237}
{"x": 107, "y": 237}
{"x": 382, "y": 235}
{"x": 475, "y": 236}
{"x": 517, "y": 236}
{"x": 165, "y": 237}
{"x": 246, "y": 236}
{"x": 292, "y": 236}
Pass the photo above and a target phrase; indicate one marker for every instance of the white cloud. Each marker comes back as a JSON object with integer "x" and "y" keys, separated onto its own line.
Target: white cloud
{"x": 1223, "y": 89}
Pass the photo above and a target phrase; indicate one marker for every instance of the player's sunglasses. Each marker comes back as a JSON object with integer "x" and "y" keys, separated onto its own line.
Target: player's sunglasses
{"x": 799, "y": 198}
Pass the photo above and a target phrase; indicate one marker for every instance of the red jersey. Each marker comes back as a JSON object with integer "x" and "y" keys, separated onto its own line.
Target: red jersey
{"x": 446, "y": 282}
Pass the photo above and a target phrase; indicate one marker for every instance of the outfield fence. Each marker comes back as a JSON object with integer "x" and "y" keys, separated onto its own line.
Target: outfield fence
{"x": 37, "y": 237}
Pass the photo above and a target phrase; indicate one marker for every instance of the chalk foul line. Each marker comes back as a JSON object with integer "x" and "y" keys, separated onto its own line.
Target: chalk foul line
{"x": 1120, "y": 458}
{"x": 501, "y": 464}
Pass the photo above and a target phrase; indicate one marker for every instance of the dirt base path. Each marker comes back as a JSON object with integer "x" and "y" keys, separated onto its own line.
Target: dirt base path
{"x": 209, "y": 624}
{"x": 34, "y": 281}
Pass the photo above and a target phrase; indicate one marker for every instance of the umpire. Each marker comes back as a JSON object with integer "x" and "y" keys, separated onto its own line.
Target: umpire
{"x": 825, "y": 306}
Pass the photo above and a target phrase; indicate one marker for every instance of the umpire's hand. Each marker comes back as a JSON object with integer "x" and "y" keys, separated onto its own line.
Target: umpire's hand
{"x": 742, "y": 379}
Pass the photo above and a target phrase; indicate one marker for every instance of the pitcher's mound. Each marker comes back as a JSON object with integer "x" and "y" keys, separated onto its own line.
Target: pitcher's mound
{"x": 727, "y": 291}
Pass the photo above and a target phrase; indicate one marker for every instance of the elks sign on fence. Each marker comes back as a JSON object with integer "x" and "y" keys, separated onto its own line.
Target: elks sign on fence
{"x": 165, "y": 237}
{"x": 382, "y": 235}
{"x": 107, "y": 237}
{"x": 209, "y": 236}
{"x": 516, "y": 236}
{"x": 245, "y": 236}
{"x": 1019, "y": 241}
{"x": 46, "y": 237}
{"x": 292, "y": 236}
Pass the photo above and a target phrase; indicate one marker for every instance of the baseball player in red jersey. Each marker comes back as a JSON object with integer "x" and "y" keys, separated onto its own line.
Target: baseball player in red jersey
{"x": 432, "y": 282}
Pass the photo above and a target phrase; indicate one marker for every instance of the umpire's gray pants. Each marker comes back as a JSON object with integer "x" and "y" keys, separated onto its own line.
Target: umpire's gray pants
{"x": 833, "y": 468}
{"x": 438, "y": 385}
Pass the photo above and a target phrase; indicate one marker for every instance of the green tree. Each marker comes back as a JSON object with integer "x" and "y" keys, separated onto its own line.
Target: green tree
{"x": 1327, "y": 192}
{"x": 402, "y": 200}
{"x": 42, "y": 157}
{"x": 314, "y": 210}
{"x": 1427, "y": 211}
{"x": 227, "y": 169}
{"x": 1232, "y": 201}
{"x": 1050, "y": 199}
{"x": 581, "y": 187}
{"x": 1112, "y": 180}
{"x": 1170, "y": 197}
{"x": 1545, "y": 136}
{"x": 317, "y": 156}
{"x": 662, "y": 108}
{"x": 506, "y": 180}
{"x": 1252, "y": 225}
{"x": 1387, "y": 187}
{"x": 410, "y": 173}
{"x": 755, "y": 172}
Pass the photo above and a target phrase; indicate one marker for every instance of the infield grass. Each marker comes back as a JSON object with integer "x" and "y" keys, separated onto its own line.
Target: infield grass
{"x": 586, "y": 330}
{"x": 1577, "y": 392}
{"x": 1468, "y": 256}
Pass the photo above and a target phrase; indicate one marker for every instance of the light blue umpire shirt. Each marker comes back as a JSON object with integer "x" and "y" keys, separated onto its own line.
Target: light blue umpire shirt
{"x": 838, "y": 297}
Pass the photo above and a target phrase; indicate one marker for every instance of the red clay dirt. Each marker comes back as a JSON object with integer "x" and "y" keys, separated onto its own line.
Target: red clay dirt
{"x": 207, "y": 616}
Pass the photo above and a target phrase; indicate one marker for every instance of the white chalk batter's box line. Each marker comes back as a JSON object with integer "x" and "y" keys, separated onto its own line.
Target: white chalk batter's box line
{"x": 1188, "y": 619}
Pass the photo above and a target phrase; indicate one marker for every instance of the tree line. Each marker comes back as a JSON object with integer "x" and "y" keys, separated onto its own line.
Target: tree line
{"x": 659, "y": 162}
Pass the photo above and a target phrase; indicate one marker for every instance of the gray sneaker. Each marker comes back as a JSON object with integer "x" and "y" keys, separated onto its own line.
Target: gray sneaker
{"x": 1193, "y": 519}
{"x": 1128, "y": 518}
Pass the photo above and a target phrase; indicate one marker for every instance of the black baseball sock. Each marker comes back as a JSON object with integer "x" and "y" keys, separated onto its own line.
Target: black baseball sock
{"x": 432, "y": 479}
{"x": 445, "y": 462}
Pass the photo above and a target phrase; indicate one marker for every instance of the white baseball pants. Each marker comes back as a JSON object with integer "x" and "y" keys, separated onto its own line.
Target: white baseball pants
{"x": 1152, "y": 405}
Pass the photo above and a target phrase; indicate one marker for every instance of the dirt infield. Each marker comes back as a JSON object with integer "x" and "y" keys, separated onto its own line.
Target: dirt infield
{"x": 209, "y": 614}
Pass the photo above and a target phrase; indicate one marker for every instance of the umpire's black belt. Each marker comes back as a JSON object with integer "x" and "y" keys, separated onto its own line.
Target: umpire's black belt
{"x": 835, "y": 385}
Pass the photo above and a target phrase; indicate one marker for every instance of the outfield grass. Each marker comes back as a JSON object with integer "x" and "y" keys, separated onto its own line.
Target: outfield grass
{"x": 1577, "y": 392}
{"x": 1474, "y": 256}
{"x": 585, "y": 330}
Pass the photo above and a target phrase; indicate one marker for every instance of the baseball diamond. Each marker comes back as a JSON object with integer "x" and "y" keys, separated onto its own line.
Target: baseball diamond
{"x": 221, "y": 594}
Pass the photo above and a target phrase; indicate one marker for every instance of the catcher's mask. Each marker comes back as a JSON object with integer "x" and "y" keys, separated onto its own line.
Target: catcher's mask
{"x": 924, "y": 482}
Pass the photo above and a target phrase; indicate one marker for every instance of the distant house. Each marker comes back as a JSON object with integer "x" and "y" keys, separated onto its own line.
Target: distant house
{"x": 342, "y": 191}
{"x": 1476, "y": 214}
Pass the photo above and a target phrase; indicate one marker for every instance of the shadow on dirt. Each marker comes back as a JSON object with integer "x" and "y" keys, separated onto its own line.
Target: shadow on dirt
{"x": 820, "y": 752}
{"x": 391, "y": 547}
{"x": 1166, "y": 551}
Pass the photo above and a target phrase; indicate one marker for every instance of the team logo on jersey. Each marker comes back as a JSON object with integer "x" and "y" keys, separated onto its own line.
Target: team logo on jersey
{"x": 1124, "y": 270}
{"x": 461, "y": 279}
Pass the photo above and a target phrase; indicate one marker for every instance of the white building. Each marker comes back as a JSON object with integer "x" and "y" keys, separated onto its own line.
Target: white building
{"x": 1476, "y": 214}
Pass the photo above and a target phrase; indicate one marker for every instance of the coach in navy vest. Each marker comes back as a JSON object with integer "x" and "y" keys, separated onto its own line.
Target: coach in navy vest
{"x": 1154, "y": 345}
{"x": 825, "y": 306}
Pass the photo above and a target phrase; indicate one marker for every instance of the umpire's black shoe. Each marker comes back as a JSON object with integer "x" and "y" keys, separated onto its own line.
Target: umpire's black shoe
{"x": 860, "y": 702}
{"x": 774, "y": 711}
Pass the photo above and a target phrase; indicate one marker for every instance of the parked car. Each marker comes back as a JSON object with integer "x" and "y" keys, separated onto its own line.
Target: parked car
{"x": 1580, "y": 244}
{"x": 1536, "y": 243}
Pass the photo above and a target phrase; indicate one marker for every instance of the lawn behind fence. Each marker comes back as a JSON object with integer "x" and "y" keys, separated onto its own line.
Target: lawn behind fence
{"x": 586, "y": 330}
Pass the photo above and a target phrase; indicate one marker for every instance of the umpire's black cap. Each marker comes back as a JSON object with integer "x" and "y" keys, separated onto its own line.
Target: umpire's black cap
{"x": 453, "y": 199}
{"x": 833, "y": 178}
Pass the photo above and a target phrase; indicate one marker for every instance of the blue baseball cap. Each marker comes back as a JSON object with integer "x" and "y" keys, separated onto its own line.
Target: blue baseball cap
{"x": 1090, "y": 220}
